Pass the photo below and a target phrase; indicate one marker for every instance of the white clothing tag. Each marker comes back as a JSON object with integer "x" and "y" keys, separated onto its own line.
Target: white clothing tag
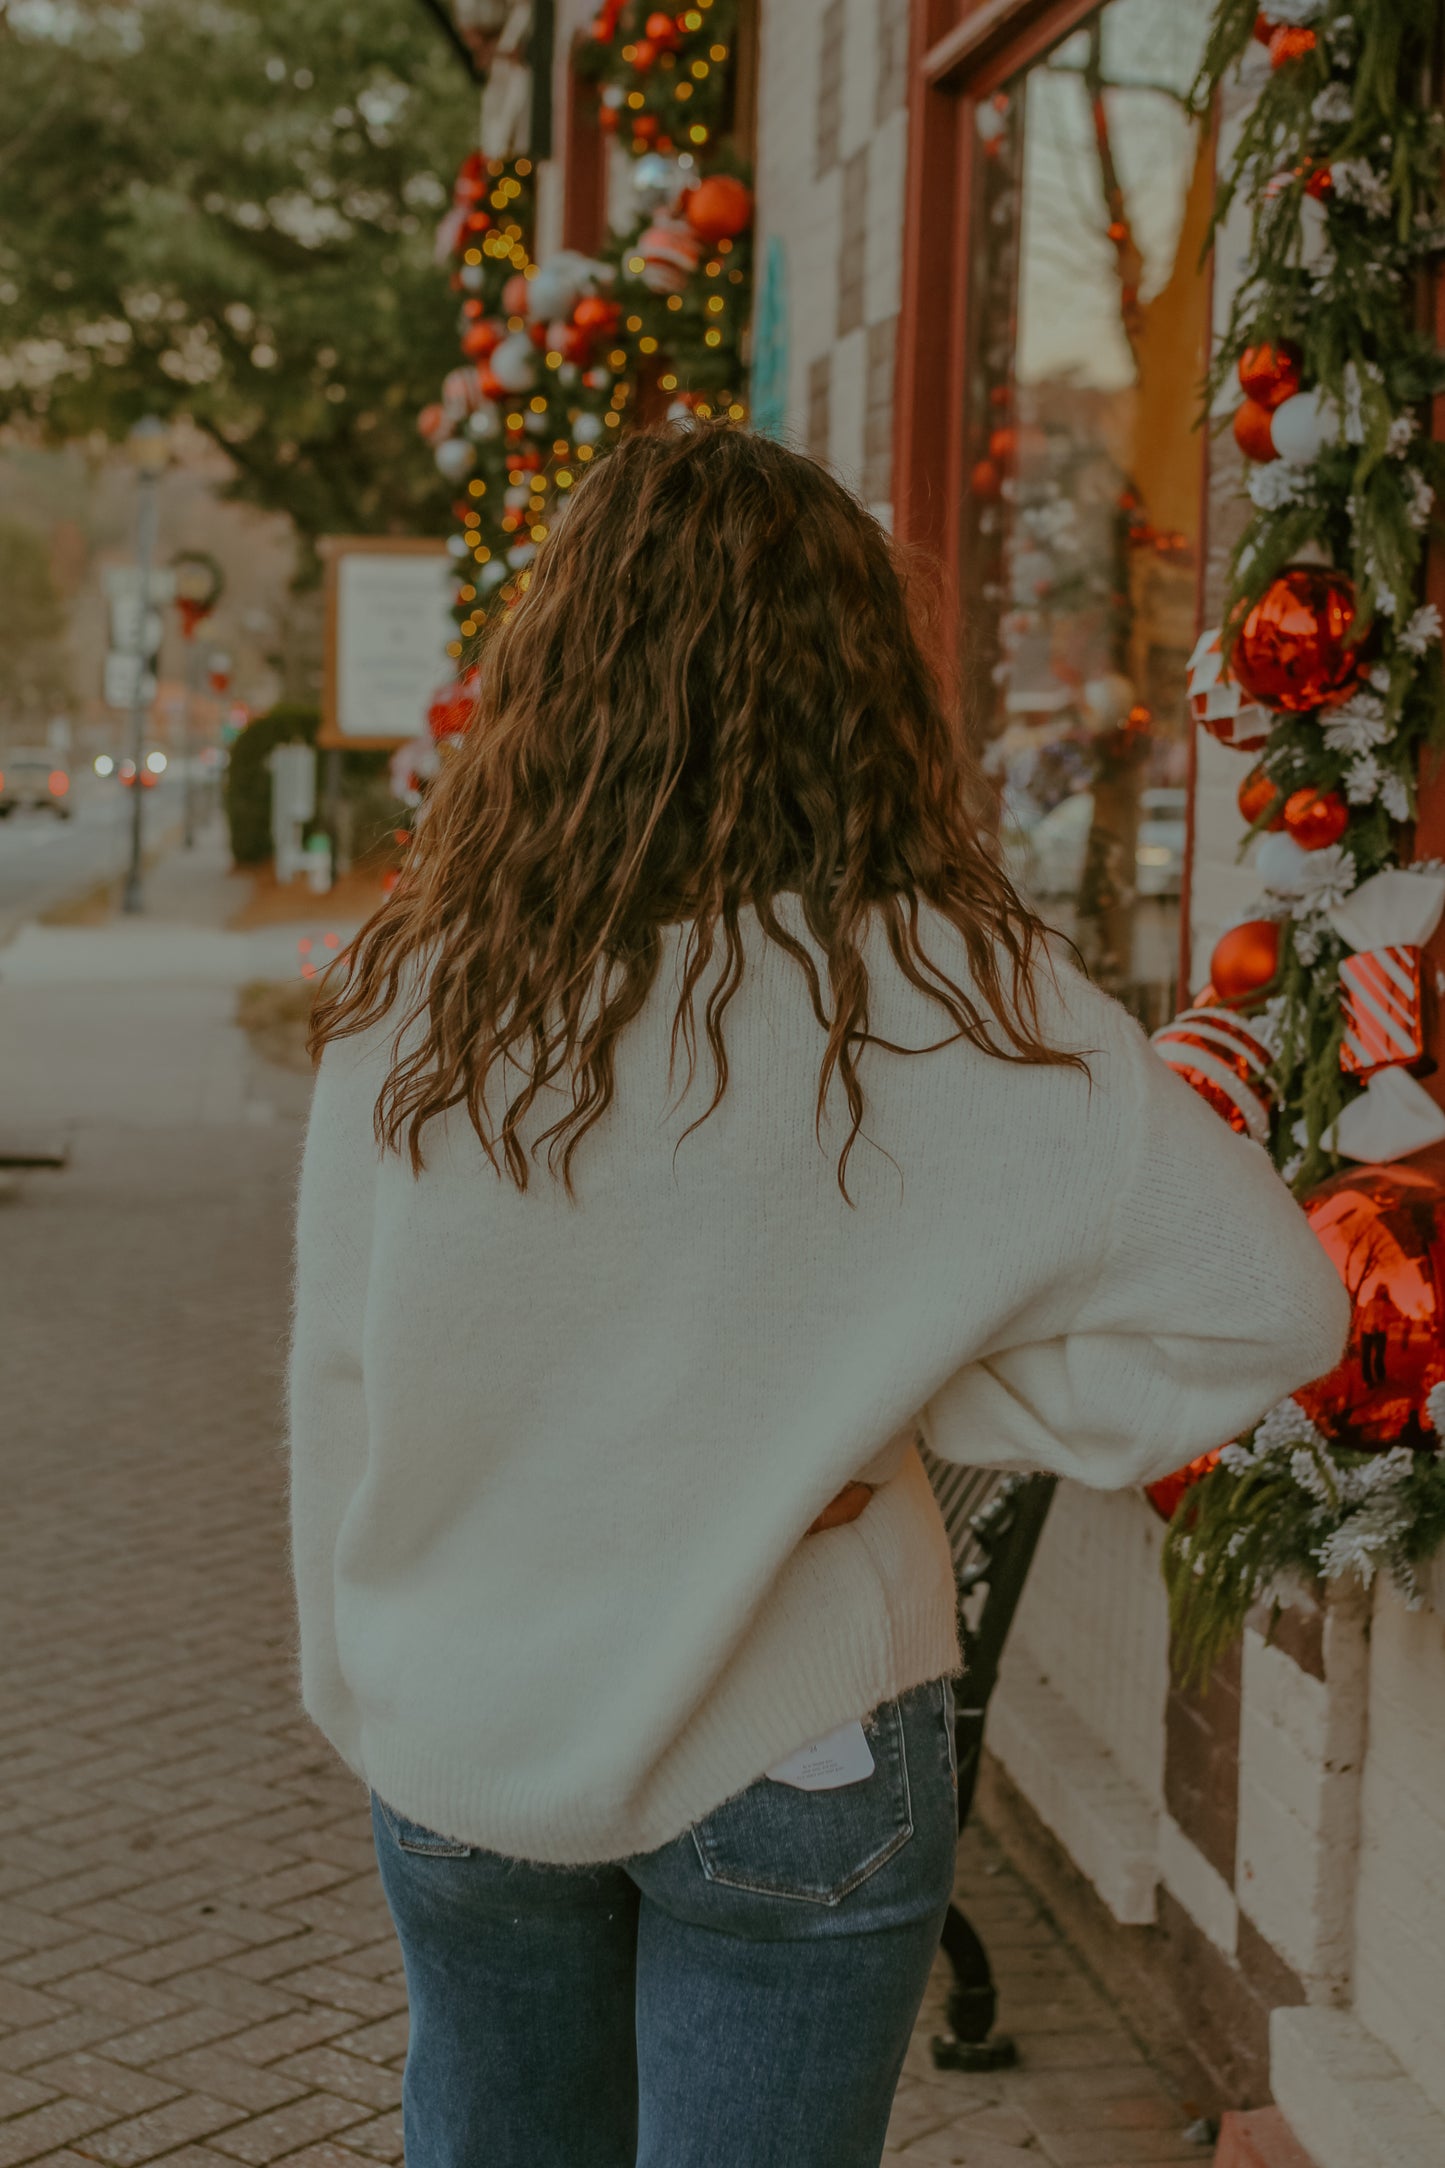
{"x": 842, "y": 1758}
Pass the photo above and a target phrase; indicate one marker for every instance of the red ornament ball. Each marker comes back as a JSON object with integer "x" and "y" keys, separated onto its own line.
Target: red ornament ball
{"x": 1315, "y": 817}
{"x": 720, "y": 208}
{"x": 1164, "y": 1496}
{"x": 985, "y": 480}
{"x": 1291, "y": 652}
{"x": 662, "y": 30}
{"x": 644, "y": 55}
{"x": 1252, "y": 432}
{"x": 1383, "y": 1229}
{"x": 595, "y": 313}
{"x": 645, "y": 127}
{"x": 1291, "y": 41}
{"x": 1270, "y": 374}
{"x": 1319, "y": 183}
{"x": 483, "y": 338}
{"x": 1245, "y": 960}
{"x": 1257, "y": 794}
{"x": 1264, "y": 29}
{"x": 515, "y": 295}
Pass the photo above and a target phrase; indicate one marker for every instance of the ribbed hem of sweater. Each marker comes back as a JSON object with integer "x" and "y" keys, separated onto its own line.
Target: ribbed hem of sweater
{"x": 805, "y": 1667}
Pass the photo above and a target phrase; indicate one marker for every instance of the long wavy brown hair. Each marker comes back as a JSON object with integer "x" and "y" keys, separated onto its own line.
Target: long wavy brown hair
{"x": 711, "y": 696}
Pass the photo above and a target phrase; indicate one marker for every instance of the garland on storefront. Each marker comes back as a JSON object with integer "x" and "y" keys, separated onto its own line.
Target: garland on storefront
{"x": 1328, "y": 668}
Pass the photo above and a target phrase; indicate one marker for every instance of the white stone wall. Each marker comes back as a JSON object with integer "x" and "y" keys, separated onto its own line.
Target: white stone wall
{"x": 1400, "y": 1890}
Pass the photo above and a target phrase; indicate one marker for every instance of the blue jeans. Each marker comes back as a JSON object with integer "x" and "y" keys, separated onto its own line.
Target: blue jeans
{"x": 739, "y": 1998}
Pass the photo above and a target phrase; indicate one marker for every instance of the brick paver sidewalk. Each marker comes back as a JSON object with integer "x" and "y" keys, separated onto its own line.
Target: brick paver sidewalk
{"x": 195, "y": 1961}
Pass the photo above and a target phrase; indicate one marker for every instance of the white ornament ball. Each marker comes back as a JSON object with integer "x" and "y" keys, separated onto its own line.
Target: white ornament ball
{"x": 521, "y": 554}
{"x": 514, "y": 363}
{"x": 1282, "y": 865}
{"x": 1107, "y": 701}
{"x": 557, "y": 288}
{"x": 458, "y": 546}
{"x": 670, "y": 253}
{"x": 1304, "y": 426}
{"x": 472, "y": 277}
{"x": 656, "y": 180}
{"x": 588, "y": 428}
{"x": 517, "y": 496}
{"x": 569, "y": 376}
{"x": 613, "y": 95}
{"x": 485, "y": 424}
{"x": 598, "y": 379}
{"x": 537, "y": 425}
{"x": 491, "y": 575}
{"x": 455, "y": 459}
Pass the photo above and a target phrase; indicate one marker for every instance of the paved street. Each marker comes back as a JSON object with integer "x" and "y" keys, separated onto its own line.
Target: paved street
{"x": 195, "y": 1962}
{"x": 43, "y": 859}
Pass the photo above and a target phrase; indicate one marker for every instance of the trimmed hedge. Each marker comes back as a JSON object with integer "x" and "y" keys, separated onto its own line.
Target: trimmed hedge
{"x": 248, "y": 779}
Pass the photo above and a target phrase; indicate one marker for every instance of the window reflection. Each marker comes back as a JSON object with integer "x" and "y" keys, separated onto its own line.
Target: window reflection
{"x": 1088, "y": 315}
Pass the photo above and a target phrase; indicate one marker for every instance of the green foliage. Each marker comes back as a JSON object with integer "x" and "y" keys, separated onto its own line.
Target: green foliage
{"x": 228, "y": 213}
{"x": 248, "y": 780}
{"x": 33, "y": 675}
{"x": 1292, "y": 1505}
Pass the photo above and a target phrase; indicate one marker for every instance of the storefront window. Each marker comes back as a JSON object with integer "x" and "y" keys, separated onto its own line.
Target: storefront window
{"x": 1082, "y": 512}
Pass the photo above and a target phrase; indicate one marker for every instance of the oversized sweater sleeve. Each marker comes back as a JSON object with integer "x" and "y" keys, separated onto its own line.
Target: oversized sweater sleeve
{"x": 1203, "y": 1299}
{"x": 326, "y": 1400}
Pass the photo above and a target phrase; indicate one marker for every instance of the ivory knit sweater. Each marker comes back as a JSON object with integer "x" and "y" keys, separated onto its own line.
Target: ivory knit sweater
{"x": 552, "y": 1463}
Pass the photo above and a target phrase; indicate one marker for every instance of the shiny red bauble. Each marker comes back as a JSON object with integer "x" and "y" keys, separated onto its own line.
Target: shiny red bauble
{"x": 1258, "y": 793}
{"x": 662, "y": 30}
{"x": 720, "y": 208}
{"x": 515, "y": 295}
{"x": 1245, "y": 961}
{"x": 1291, "y": 41}
{"x": 1252, "y": 432}
{"x": 594, "y": 312}
{"x": 1165, "y": 1495}
{"x": 1315, "y": 818}
{"x": 986, "y": 481}
{"x": 481, "y": 339}
{"x": 644, "y": 55}
{"x": 1291, "y": 652}
{"x": 1384, "y": 1231}
{"x": 1270, "y": 374}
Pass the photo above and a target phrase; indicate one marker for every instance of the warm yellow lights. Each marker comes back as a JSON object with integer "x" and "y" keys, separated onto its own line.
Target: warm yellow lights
{"x": 469, "y": 626}
{"x": 684, "y": 90}
{"x": 736, "y": 413}
{"x": 612, "y": 420}
{"x": 552, "y": 358}
{"x": 472, "y": 255}
{"x": 714, "y": 304}
{"x": 697, "y": 133}
{"x": 564, "y": 478}
{"x": 701, "y": 70}
{"x": 514, "y": 421}
{"x": 617, "y": 359}
{"x": 466, "y": 594}
{"x": 668, "y": 382}
{"x": 712, "y": 338}
{"x": 717, "y": 52}
{"x": 636, "y": 100}
{"x": 538, "y": 404}
{"x": 674, "y": 301}
{"x": 636, "y": 264}
{"x": 482, "y": 554}
{"x": 476, "y": 487}
{"x": 539, "y": 532}
{"x": 647, "y": 346}
{"x": 454, "y": 647}
{"x": 692, "y": 20}
{"x": 584, "y": 453}
{"x": 634, "y": 323}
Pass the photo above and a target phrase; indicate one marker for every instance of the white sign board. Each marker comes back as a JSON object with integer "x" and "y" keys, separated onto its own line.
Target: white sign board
{"x": 122, "y": 674}
{"x": 388, "y": 625}
{"x": 133, "y": 630}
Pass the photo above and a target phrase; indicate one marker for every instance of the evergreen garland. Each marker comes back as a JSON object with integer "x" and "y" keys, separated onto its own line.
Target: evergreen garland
{"x": 1341, "y": 163}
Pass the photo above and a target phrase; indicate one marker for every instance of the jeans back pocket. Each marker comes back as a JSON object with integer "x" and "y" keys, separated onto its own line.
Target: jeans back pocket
{"x": 780, "y": 1841}
{"x": 416, "y": 1837}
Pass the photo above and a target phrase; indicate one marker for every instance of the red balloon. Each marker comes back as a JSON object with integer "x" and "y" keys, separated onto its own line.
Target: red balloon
{"x": 1270, "y": 374}
{"x": 720, "y": 208}
{"x": 1383, "y": 1229}
{"x": 1316, "y": 817}
{"x": 1258, "y": 792}
{"x": 1245, "y": 961}
{"x": 1252, "y": 432}
{"x": 1165, "y": 1495}
{"x": 1291, "y": 650}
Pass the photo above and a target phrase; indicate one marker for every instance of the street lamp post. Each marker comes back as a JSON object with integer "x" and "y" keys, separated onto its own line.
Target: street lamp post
{"x": 151, "y": 449}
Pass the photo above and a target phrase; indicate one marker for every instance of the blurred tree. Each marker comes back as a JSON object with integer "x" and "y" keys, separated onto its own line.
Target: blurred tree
{"x": 34, "y": 678}
{"x": 227, "y": 212}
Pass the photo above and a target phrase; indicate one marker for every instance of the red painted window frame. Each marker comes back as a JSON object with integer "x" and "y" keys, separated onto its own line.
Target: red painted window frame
{"x": 584, "y": 167}
{"x": 959, "y": 53}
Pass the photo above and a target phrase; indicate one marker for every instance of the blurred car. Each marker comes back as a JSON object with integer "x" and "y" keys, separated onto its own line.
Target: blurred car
{"x": 153, "y": 769}
{"x": 1159, "y": 851}
{"x": 31, "y": 775}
